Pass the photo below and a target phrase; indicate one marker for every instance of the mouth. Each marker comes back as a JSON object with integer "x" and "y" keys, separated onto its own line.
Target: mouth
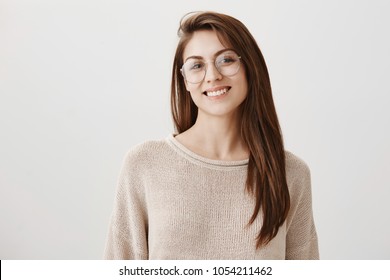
{"x": 218, "y": 92}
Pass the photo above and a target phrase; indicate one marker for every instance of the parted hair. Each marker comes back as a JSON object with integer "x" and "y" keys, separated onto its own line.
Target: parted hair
{"x": 260, "y": 129}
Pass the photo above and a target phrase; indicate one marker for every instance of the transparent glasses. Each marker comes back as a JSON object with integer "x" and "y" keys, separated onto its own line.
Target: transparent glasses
{"x": 194, "y": 69}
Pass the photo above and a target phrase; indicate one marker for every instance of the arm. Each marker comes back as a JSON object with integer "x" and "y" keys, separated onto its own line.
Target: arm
{"x": 302, "y": 242}
{"x": 128, "y": 228}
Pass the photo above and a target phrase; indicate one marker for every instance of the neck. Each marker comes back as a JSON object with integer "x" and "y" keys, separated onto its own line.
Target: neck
{"x": 219, "y": 137}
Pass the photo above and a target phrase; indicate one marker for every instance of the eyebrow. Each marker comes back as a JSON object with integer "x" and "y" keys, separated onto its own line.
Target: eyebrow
{"x": 215, "y": 55}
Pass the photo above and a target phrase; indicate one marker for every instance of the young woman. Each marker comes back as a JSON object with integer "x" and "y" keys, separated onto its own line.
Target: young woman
{"x": 222, "y": 186}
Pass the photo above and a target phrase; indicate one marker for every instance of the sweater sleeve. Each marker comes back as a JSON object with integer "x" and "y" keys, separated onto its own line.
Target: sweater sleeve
{"x": 302, "y": 242}
{"x": 128, "y": 227}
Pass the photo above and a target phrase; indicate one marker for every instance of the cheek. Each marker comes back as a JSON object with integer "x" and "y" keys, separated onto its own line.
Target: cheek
{"x": 193, "y": 88}
{"x": 244, "y": 83}
{"x": 186, "y": 84}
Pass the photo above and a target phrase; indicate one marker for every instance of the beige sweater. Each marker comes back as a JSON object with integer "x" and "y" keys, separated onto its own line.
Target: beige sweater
{"x": 174, "y": 204}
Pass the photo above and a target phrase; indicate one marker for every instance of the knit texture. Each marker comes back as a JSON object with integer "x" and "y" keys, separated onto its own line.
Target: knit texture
{"x": 174, "y": 204}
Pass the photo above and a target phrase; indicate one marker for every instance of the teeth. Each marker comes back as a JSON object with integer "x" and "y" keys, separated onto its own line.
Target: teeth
{"x": 217, "y": 92}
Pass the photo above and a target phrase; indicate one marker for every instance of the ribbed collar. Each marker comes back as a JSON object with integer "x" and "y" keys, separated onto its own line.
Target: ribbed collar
{"x": 200, "y": 160}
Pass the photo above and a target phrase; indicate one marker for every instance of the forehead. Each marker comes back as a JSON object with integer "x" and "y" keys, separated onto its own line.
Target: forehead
{"x": 204, "y": 43}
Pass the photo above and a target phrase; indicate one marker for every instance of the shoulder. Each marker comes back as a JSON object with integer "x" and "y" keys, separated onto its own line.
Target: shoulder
{"x": 145, "y": 151}
{"x": 296, "y": 166}
{"x": 297, "y": 173}
{"x": 143, "y": 158}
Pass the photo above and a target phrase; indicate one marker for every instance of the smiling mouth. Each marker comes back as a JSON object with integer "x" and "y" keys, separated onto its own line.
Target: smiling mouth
{"x": 217, "y": 92}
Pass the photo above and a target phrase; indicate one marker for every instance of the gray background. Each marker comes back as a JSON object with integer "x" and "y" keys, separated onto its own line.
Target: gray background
{"x": 82, "y": 81}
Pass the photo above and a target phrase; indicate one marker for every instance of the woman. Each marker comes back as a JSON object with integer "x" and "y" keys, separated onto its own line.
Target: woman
{"x": 221, "y": 187}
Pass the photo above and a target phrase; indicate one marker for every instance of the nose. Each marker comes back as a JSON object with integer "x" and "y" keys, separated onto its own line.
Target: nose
{"x": 212, "y": 73}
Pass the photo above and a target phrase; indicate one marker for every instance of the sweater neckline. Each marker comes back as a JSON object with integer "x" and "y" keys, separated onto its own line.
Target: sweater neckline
{"x": 190, "y": 155}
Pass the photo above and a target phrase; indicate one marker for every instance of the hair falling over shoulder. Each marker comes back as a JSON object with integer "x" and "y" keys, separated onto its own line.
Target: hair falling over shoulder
{"x": 260, "y": 129}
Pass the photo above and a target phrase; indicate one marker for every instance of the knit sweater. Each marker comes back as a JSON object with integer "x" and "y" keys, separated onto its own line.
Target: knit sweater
{"x": 174, "y": 204}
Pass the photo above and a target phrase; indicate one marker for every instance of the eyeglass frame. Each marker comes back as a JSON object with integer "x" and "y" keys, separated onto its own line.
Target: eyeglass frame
{"x": 206, "y": 63}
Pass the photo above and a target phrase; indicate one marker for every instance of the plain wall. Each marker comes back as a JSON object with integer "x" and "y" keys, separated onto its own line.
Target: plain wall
{"x": 82, "y": 81}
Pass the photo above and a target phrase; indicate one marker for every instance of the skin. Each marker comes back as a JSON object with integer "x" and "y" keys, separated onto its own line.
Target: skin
{"x": 216, "y": 132}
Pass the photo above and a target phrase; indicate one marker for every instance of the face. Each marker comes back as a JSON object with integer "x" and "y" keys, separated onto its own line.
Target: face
{"x": 216, "y": 94}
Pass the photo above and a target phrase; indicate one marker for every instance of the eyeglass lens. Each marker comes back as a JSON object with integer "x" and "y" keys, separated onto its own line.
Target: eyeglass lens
{"x": 227, "y": 64}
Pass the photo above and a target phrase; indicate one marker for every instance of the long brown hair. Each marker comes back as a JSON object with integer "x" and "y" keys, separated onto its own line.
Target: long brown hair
{"x": 260, "y": 129}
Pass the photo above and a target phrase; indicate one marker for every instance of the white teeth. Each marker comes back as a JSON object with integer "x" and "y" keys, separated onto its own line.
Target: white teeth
{"x": 217, "y": 92}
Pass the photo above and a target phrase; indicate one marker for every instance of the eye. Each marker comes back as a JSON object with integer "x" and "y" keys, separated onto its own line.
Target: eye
{"x": 227, "y": 59}
{"x": 194, "y": 66}
{"x": 197, "y": 65}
